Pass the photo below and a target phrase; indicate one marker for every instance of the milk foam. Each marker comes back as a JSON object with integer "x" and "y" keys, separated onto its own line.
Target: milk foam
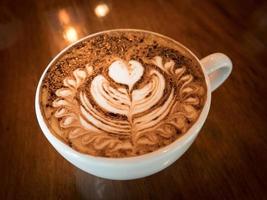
{"x": 144, "y": 117}
{"x": 127, "y": 74}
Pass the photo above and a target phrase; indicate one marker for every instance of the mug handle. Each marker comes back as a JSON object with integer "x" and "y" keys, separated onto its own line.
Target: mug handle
{"x": 218, "y": 67}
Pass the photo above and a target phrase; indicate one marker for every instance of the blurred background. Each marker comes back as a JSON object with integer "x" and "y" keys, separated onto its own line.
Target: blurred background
{"x": 229, "y": 158}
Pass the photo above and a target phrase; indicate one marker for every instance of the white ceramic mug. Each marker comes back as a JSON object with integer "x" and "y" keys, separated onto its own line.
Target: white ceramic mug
{"x": 216, "y": 67}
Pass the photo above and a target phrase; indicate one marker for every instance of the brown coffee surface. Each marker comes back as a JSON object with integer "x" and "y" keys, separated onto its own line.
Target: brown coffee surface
{"x": 122, "y": 93}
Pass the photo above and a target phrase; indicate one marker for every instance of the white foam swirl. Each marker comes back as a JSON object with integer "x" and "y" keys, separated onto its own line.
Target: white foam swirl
{"x": 127, "y": 74}
{"x": 119, "y": 101}
{"x": 110, "y": 99}
{"x": 104, "y": 123}
{"x": 145, "y": 98}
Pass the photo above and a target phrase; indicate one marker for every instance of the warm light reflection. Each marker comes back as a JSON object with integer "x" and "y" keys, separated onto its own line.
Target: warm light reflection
{"x": 101, "y": 10}
{"x": 70, "y": 34}
{"x": 63, "y": 16}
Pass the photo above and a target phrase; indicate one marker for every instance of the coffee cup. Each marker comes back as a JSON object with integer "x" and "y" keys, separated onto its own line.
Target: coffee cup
{"x": 216, "y": 69}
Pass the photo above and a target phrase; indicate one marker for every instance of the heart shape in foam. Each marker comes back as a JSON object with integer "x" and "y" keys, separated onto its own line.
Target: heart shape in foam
{"x": 126, "y": 73}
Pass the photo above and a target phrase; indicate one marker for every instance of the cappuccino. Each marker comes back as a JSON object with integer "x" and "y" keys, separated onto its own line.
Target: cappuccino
{"x": 122, "y": 93}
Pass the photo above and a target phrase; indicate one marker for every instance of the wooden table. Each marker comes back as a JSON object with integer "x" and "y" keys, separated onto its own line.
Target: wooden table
{"x": 229, "y": 158}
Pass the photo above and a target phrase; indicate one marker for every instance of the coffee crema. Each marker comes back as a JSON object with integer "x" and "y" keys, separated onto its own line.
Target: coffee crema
{"x": 122, "y": 93}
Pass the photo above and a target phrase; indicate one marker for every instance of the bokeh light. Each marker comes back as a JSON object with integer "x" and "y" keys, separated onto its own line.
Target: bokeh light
{"x": 63, "y": 16}
{"x": 70, "y": 34}
{"x": 101, "y": 10}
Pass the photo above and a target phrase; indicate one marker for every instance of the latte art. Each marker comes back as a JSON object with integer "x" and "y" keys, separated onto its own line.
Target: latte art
{"x": 140, "y": 106}
{"x": 128, "y": 107}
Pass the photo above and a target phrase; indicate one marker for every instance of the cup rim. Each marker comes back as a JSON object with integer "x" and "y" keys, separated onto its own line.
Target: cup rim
{"x": 157, "y": 154}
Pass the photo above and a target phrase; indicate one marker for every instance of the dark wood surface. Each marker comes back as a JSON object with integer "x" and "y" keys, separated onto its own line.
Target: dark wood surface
{"x": 228, "y": 160}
